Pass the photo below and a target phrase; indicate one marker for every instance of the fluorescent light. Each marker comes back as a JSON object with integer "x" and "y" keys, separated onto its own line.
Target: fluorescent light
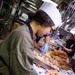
{"x": 33, "y": 7}
{"x": 31, "y": 2}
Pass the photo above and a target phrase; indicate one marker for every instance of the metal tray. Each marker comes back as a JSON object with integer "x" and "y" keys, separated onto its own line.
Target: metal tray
{"x": 44, "y": 64}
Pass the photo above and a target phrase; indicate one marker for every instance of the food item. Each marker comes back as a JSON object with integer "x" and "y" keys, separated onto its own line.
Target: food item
{"x": 38, "y": 65}
{"x": 67, "y": 66}
{"x": 60, "y": 53}
{"x": 51, "y": 72}
{"x": 48, "y": 54}
{"x": 62, "y": 58}
{"x": 59, "y": 60}
{"x": 46, "y": 71}
{"x": 46, "y": 60}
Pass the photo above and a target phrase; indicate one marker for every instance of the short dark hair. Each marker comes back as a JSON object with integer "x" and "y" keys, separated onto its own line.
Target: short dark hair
{"x": 43, "y": 19}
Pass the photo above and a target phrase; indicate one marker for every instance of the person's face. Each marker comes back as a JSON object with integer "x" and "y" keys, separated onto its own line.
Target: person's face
{"x": 43, "y": 31}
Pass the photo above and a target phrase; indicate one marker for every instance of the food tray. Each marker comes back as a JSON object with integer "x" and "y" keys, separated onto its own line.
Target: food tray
{"x": 43, "y": 61}
{"x": 43, "y": 65}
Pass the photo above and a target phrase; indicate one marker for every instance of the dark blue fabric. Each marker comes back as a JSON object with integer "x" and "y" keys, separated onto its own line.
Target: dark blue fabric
{"x": 30, "y": 29}
{"x": 72, "y": 62}
{"x": 73, "y": 47}
{"x": 70, "y": 42}
{"x": 38, "y": 38}
{"x": 28, "y": 21}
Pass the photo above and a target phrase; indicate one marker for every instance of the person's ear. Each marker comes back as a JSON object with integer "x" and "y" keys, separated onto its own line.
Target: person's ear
{"x": 53, "y": 27}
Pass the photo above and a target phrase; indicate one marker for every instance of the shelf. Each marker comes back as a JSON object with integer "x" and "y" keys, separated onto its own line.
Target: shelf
{"x": 65, "y": 2}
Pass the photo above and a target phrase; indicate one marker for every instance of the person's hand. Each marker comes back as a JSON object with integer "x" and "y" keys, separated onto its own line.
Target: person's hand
{"x": 59, "y": 43}
{"x": 44, "y": 48}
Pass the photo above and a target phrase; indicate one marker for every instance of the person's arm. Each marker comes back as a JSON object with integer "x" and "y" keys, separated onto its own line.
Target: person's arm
{"x": 36, "y": 45}
{"x": 47, "y": 39}
{"x": 44, "y": 48}
{"x": 67, "y": 50}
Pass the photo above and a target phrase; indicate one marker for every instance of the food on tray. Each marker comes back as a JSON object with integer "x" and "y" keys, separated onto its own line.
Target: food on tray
{"x": 67, "y": 66}
{"x": 51, "y": 72}
{"x": 56, "y": 53}
{"x": 38, "y": 65}
{"x": 61, "y": 57}
{"x": 60, "y": 53}
{"x": 46, "y": 60}
{"x": 44, "y": 71}
{"x": 48, "y": 54}
{"x": 61, "y": 60}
